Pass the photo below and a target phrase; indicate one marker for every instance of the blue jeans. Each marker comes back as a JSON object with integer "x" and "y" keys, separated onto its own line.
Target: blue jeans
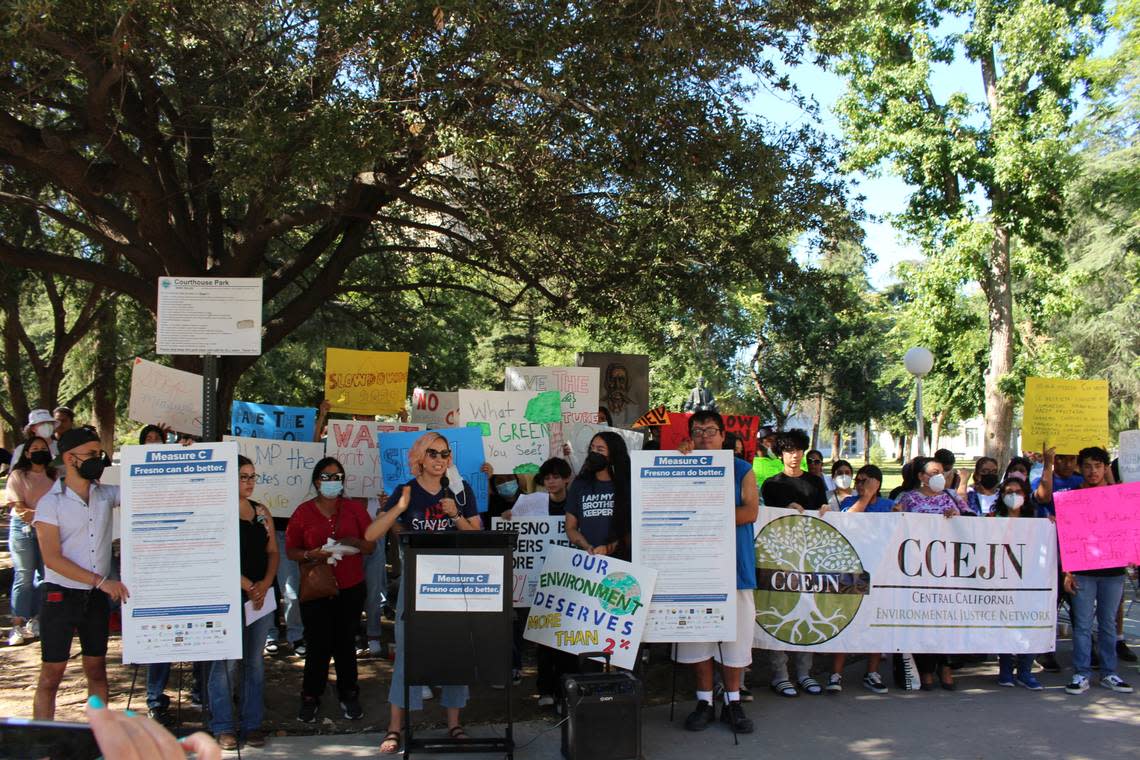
{"x": 1103, "y": 593}
{"x": 376, "y": 578}
{"x": 27, "y": 568}
{"x": 1006, "y": 662}
{"x": 289, "y": 583}
{"x": 223, "y": 680}
{"x": 157, "y": 676}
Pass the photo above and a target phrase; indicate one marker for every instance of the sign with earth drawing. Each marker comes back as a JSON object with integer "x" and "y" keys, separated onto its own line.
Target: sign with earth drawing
{"x": 897, "y": 582}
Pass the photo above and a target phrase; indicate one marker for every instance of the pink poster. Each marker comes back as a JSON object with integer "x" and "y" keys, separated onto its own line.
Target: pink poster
{"x": 1099, "y": 527}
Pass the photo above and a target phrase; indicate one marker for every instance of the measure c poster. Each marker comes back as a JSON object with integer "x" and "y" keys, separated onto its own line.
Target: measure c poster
{"x": 897, "y": 582}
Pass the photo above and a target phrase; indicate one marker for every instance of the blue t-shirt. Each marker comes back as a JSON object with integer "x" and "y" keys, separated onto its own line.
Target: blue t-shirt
{"x": 1076, "y": 480}
{"x": 880, "y": 504}
{"x": 745, "y": 534}
{"x": 425, "y": 510}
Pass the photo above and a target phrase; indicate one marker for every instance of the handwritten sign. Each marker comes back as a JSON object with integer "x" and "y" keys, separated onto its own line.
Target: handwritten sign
{"x": 284, "y": 471}
{"x": 166, "y": 395}
{"x": 744, "y": 427}
{"x": 581, "y": 433}
{"x": 1130, "y": 456}
{"x": 590, "y": 603}
{"x": 517, "y": 426}
{"x": 535, "y": 536}
{"x": 1099, "y": 527}
{"x": 466, "y": 446}
{"x": 1068, "y": 414}
{"x": 578, "y": 386}
{"x": 366, "y": 382}
{"x": 653, "y": 418}
{"x": 354, "y": 444}
{"x": 436, "y": 409}
{"x": 285, "y": 423}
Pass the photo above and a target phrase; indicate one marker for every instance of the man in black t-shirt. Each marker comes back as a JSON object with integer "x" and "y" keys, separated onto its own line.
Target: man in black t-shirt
{"x": 793, "y": 487}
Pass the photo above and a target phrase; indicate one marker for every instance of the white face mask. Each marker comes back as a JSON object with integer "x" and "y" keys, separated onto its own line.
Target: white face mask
{"x": 1013, "y": 500}
{"x": 843, "y": 481}
{"x": 936, "y": 483}
{"x": 45, "y": 429}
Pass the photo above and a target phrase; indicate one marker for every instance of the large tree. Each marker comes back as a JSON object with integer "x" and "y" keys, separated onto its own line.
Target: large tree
{"x": 577, "y": 151}
{"x": 985, "y": 172}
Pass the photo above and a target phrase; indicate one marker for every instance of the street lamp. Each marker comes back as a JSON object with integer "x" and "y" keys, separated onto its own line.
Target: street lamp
{"x": 918, "y": 362}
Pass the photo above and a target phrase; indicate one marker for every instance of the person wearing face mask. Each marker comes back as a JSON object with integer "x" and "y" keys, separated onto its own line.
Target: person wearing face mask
{"x": 40, "y": 425}
{"x": 983, "y": 494}
{"x": 331, "y": 623}
{"x": 73, "y": 524}
{"x": 31, "y": 477}
{"x": 843, "y": 484}
{"x": 598, "y": 507}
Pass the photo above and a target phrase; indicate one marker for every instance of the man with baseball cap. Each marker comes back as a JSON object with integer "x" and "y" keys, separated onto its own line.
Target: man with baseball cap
{"x": 73, "y": 521}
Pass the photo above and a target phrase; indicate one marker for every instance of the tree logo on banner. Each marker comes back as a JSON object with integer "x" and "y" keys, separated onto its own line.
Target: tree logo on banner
{"x": 810, "y": 581}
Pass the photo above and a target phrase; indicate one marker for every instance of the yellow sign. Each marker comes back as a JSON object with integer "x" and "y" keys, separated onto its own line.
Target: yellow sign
{"x": 1067, "y": 414}
{"x": 366, "y": 382}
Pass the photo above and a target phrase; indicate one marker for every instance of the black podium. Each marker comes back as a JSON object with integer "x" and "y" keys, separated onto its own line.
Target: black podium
{"x": 457, "y": 622}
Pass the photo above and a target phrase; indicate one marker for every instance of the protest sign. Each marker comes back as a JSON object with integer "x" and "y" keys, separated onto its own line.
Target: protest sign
{"x": 744, "y": 427}
{"x": 517, "y": 426}
{"x": 684, "y": 527}
{"x": 653, "y": 418}
{"x": 676, "y": 431}
{"x": 165, "y": 395}
{"x": 590, "y": 603}
{"x": 1099, "y": 527}
{"x": 459, "y": 583}
{"x": 200, "y": 316}
{"x": 578, "y": 386}
{"x": 581, "y": 433}
{"x": 535, "y": 535}
{"x": 1067, "y": 414}
{"x": 624, "y": 384}
{"x": 354, "y": 444}
{"x": 466, "y": 446}
{"x": 899, "y": 582}
{"x": 286, "y": 423}
{"x": 1129, "y": 456}
{"x": 366, "y": 382}
{"x": 180, "y": 553}
{"x": 284, "y": 471}
{"x": 436, "y": 409}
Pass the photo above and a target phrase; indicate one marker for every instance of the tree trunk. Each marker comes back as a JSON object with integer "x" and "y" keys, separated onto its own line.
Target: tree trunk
{"x": 867, "y": 442}
{"x": 105, "y": 390}
{"x": 836, "y": 442}
{"x": 936, "y": 424}
{"x": 816, "y": 421}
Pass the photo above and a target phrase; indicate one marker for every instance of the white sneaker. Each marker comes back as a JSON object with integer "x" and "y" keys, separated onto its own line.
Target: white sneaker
{"x": 16, "y": 637}
{"x": 834, "y": 683}
{"x": 545, "y": 700}
{"x": 32, "y": 629}
{"x": 427, "y": 693}
{"x": 1079, "y": 685}
{"x": 1116, "y": 683}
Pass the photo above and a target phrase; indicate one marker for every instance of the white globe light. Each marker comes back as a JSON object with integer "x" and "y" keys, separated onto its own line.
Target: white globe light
{"x": 918, "y": 361}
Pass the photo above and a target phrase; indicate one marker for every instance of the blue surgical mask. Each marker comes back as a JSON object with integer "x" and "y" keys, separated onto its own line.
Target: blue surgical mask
{"x": 330, "y": 489}
{"x": 508, "y": 488}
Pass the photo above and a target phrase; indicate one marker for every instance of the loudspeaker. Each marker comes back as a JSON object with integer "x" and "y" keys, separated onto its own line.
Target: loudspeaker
{"x": 603, "y": 716}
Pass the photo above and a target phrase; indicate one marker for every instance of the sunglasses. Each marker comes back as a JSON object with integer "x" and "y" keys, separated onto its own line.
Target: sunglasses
{"x": 438, "y": 453}
{"x": 327, "y": 476}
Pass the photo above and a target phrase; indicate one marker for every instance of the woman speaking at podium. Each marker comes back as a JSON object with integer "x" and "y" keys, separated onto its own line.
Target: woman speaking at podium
{"x": 425, "y": 503}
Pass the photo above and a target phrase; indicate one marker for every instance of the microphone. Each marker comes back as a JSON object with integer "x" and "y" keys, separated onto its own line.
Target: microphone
{"x": 449, "y": 494}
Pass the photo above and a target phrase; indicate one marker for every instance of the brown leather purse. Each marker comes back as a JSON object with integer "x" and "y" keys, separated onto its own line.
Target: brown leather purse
{"x": 317, "y": 579}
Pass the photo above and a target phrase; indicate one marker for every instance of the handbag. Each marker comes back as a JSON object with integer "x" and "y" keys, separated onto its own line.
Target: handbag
{"x": 317, "y": 579}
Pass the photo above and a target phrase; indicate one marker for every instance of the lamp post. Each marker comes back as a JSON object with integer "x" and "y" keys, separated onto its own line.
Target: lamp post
{"x": 918, "y": 362}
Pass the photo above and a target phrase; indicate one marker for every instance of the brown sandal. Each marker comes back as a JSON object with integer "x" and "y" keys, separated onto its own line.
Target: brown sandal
{"x": 457, "y": 732}
{"x": 393, "y": 737}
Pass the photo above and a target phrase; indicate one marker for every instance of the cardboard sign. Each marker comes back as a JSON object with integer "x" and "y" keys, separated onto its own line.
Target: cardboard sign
{"x": 535, "y": 536}
{"x": 285, "y": 423}
{"x": 518, "y": 427}
{"x": 1067, "y": 414}
{"x": 436, "y": 409}
{"x": 355, "y": 445}
{"x": 624, "y": 384}
{"x": 1099, "y": 527}
{"x": 581, "y": 433}
{"x": 165, "y": 395}
{"x": 653, "y": 418}
{"x": 578, "y": 386}
{"x": 466, "y": 446}
{"x": 284, "y": 471}
{"x": 366, "y": 382}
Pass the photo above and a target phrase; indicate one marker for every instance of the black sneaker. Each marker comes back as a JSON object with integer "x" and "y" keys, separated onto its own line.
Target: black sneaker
{"x": 733, "y": 714}
{"x": 299, "y": 648}
{"x": 1048, "y": 663}
{"x": 162, "y": 716}
{"x": 1123, "y": 653}
{"x": 700, "y": 718}
{"x": 309, "y": 707}
{"x": 351, "y": 708}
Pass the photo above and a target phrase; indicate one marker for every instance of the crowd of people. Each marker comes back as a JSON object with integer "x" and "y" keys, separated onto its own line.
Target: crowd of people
{"x": 66, "y": 580}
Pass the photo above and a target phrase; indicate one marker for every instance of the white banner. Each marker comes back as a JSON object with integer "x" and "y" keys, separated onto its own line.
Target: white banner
{"x": 895, "y": 582}
{"x": 520, "y": 428}
{"x": 579, "y": 435}
{"x": 436, "y": 409}
{"x": 356, "y": 445}
{"x": 284, "y": 471}
{"x": 579, "y": 387}
{"x": 459, "y": 583}
{"x": 536, "y": 535}
{"x": 181, "y": 554}
{"x": 166, "y": 395}
{"x": 684, "y": 526}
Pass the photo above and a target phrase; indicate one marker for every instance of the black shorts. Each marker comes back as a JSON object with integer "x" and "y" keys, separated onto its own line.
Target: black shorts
{"x": 67, "y": 611}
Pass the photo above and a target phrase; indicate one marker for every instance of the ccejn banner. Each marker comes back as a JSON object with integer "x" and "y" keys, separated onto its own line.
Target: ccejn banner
{"x": 857, "y": 582}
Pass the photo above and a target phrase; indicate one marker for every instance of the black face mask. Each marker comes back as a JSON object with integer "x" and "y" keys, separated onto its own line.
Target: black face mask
{"x": 40, "y": 457}
{"x": 92, "y": 469}
{"x": 988, "y": 480}
{"x": 595, "y": 462}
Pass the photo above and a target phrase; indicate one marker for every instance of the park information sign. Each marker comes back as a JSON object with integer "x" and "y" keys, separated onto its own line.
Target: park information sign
{"x": 209, "y": 316}
{"x": 895, "y": 582}
{"x": 684, "y": 527}
{"x": 180, "y": 553}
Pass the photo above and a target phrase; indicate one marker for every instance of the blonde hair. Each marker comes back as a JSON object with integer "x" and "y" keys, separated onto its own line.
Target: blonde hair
{"x": 418, "y": 452}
